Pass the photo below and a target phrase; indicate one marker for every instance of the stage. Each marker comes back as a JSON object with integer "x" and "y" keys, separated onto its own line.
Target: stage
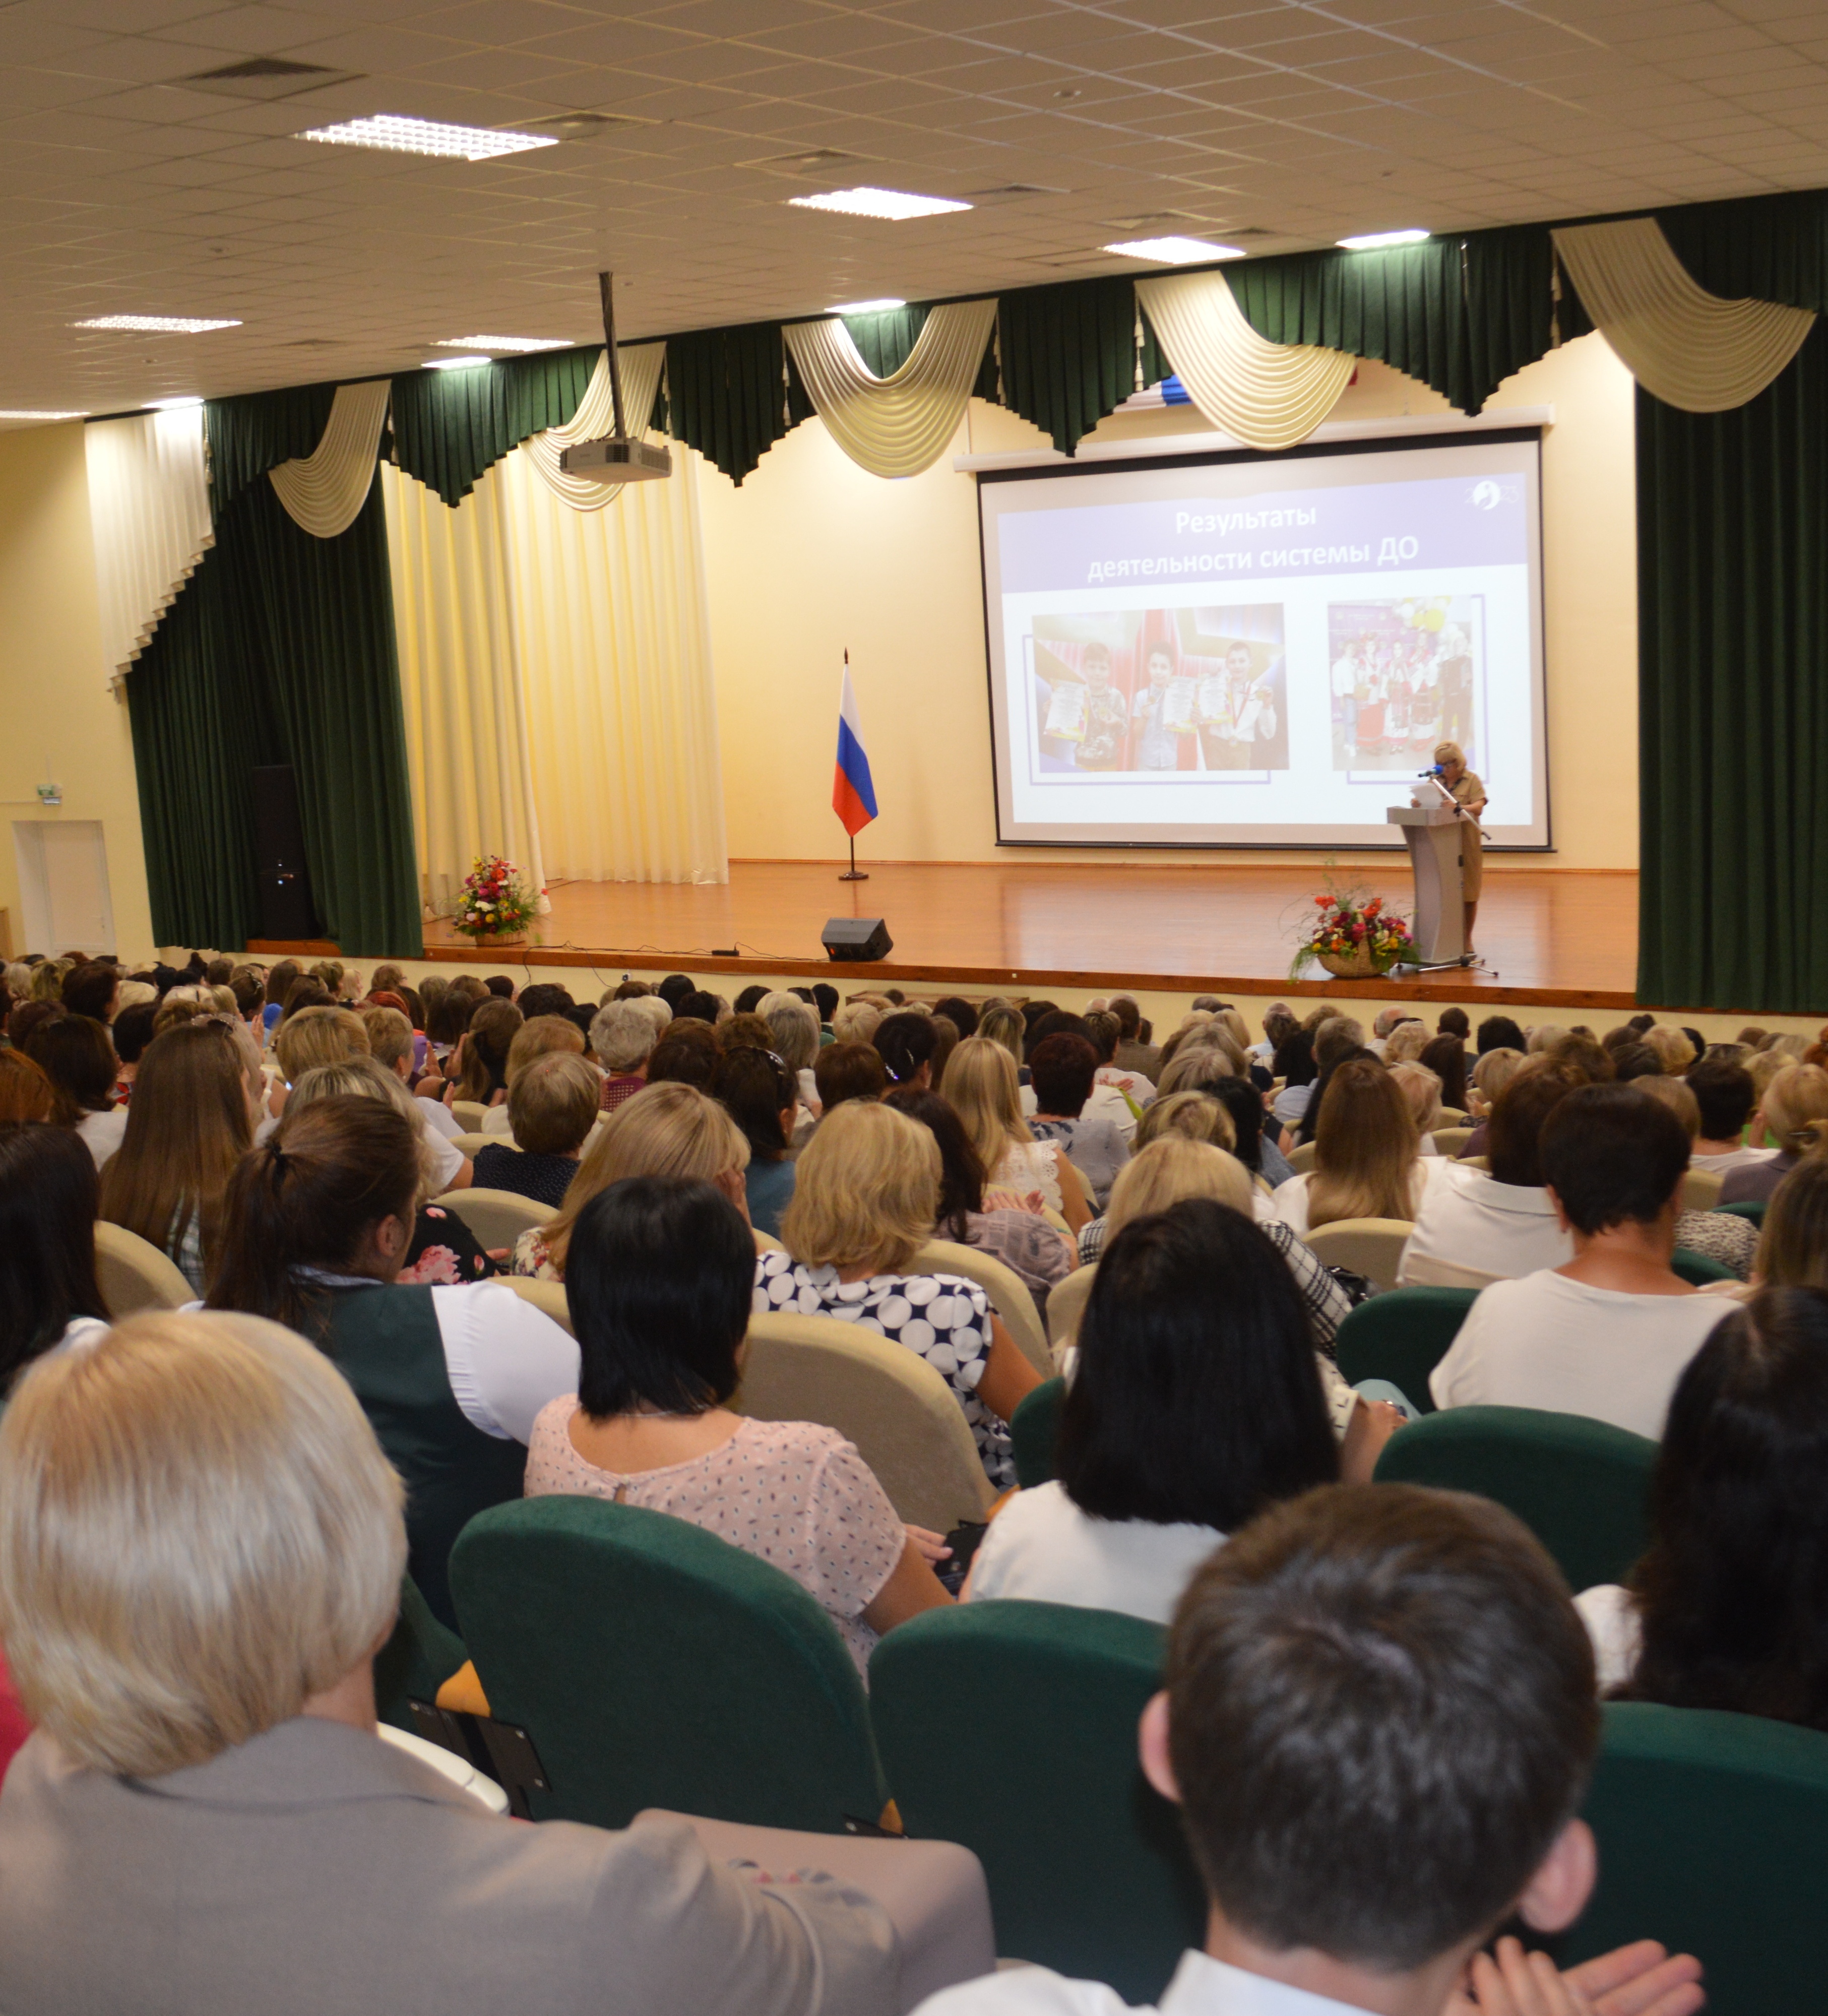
{"x": 1550, "y": 938}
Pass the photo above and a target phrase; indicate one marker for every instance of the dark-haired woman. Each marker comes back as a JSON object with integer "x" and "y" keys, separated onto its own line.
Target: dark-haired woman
{"x": 906, "y": 1044}
{"x": 1197, "y": 1402}
{"x": 48, "y": 1294}
{"x": 1063, "y": 1069}
{"x": 1729, "y": 1607}
{"x": 74, "y": 1053}
{"x": 660, "y": 1274}
{"x": 759, "y": 1093}
{"x": 316, "y": 1223}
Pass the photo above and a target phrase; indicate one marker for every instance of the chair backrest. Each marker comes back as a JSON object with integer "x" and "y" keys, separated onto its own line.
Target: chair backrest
{"x": 1699, "y": 1269}
{"x": 1372, "y": 1246}
{"x": 1448, "y": 1141}
{"x": 1427, "y": 1270}
{"x": 765, "y": 1242}
{"x": 905, "y": 1419}
{"x": 654, "y": 1664}
{"x": 1701, "y": 1189}
{"x": 1007, "y": 1292}
{"x": 1580, "y": 1485}
{"x": 470, "y": 1146}
{"x": 1088, "y": 1868}
{"x": 1066, "y": 1304}
{"x": 470, "y": 1112}
{"x": 1452, "y": 1116}
{"x": 133, "y": 1274}
{"x": 416, "y": 1661}
{"x": 1301, "y": 1157}
{"x": 1401, "y": 1336}
{"x": 1752, "y": 1208}
{"x": 548, "y": 1297}
{"x": 1710, "y": 1827}
{"x": 497, "y": 1218}
{"x": 1034, "y": 1429}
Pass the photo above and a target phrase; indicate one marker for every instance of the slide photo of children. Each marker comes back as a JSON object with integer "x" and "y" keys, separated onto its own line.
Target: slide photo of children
{"x": 1083, "y": 669}
{"x": 1235, "y": 659}
{"x": 1404, "y": 674}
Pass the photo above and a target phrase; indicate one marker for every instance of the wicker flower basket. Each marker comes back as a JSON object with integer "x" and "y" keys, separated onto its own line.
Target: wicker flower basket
{"x": 1359, "y": 965}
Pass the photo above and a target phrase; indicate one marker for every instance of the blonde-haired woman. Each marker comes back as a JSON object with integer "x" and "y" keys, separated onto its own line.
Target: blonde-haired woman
{"x": 1406, "y": 1042}
{"x": 981, "y": 1085}
{"x": 668, "y": 1130}
{"x": 1795, "y": 1100}
{"x": 1368, "y": 1161}
{"x": 866, "y": 1195}
{"x": 1421, "y": 1090}
{"x": 1670, "y": 1047}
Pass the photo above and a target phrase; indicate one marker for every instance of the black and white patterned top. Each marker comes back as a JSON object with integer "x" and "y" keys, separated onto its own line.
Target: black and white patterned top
{"x": 944, "y": 1317}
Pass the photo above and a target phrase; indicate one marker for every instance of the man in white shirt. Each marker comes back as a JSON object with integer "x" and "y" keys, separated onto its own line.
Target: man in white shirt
{"x": 1388, "y": 1019}
{"x": 1379, "y": 1722}
{"x": 1725, "y": 1094}
{"x": 1608, "y": 1334}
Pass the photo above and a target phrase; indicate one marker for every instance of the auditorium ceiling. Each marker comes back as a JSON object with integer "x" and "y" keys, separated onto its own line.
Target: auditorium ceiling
{"x": 133, "y": 181}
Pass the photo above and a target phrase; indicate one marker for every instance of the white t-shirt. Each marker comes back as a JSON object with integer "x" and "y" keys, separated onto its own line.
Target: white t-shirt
{"x": 1549, "y": 1342}
{"x": 1202, "y": 1986}
{"x": 102, "y": 1133}
{"x": 1468, "y": 1220}
{"x": 440, "y": 1119}
{"x": 1291, "y": 1197}
{"x": 447, "y": 1157}
{"x": 1611, "y": 1619}
{"x": 504, "y": 1357}
{"x": 1042, "y": 1549}
{"x": 1735, "y": 1158}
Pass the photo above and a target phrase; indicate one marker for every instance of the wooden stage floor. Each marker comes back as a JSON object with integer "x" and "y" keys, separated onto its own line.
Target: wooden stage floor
{"x": 1550, "y": 938}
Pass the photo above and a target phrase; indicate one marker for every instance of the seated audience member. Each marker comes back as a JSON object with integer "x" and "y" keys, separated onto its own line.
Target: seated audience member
{"x": 846, "y": 1070}
{"x": 280, "y": 980}
{"x": 1636, "y": 1060}
{"x": 552, "y": 1107}
{"x": 1794, "y": 1099}
{"x": 1063, "y": 1070}
{"x": 1379, "y": 1723}
{"x": 200, "y": 1549}
{"x": 1336, "y": 1039}
{"x": 759, "y": 1093}
{"x": 1368, "y": 1161}
{"x": 668, "y": 1129}
{"x": 1446, "y": 1057}
{"x": 1033, "y": 1175}
{"x": 93, "y": 989}
{"x": 747, "y": 1000}
{"x": 793, "y": 1037}
{"x": 905, "y": 1043}
{"x": 1293, "y": 1063}
{"x": 999, "y": 1023}
{"x": 545, "y": 998}
{"x": 1102, "y": 1031}
{"x": 394, "y": 1046}
{"x": 1720, "y": 1235}
{"x": 1793, "y": 1242}
{"x": 674, "y": 989}
{"x": 864, "y": 1204}
{"x": 702, "y": 1005}
{"x": 1028, "y": 1245}
{"x": 314, "y": 1228}
{"x": 1251, "y": 1131}
{"x": 25, "y": 1092}
{"x": 1608, "y": 1333}
{"x": 47, "y": 978}
{"x": 1672, "y": 1050}
{"x": 186, "y": 1132}
{"x": 660, "y": 1281}
{"x": 686, "y": 1054}
{"x": 1406, "y": 1042}
{"x": 1135, "y": 1053}
{"x": 538, "y": 1036}
{"x": 1499, "y": 1032}
{"x": 502, "y": 986}
{"x": 1421, "y": 1089}
{"x": 74, "y": 1053}
{"x": 959, "y": 1013}
{"x": 1195, "y": 1402}
{"x": 131, "y": 1032}
{"x": 316, "y": 1036}
{"x": 1103, "y": 1102}
{"x": 855, "y": 1022}
{"x": 736, "y": 1031}
{"x": 48, "y": 1293}
{"x": 481, "y": 1056}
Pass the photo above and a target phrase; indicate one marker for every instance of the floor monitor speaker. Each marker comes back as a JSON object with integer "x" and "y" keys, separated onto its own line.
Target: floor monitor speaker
{"x": 858, "y": 939}
{"x": 285, "y": 906}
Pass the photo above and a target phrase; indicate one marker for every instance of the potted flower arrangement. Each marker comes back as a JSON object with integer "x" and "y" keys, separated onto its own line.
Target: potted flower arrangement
{"x": 1352, "y": 935}
{"x": 496, "y": 906}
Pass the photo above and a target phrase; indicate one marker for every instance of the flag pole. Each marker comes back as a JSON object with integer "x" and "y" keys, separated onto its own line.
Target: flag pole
{"x": 854, "y": 875}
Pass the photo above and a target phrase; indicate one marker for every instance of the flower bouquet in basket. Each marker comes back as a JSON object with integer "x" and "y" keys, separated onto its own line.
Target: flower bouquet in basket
{"x": 496, "y": 902}
{"x": 1352, "y": 935}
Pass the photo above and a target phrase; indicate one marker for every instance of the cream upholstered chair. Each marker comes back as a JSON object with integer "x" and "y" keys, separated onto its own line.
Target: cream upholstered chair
{"x": 134, "y": 1274}
{"x": 548, "y": 1297}
{"x": 1451, "y": 1116}
{"x": 497, "y": 1218}
{"x": 1448, "y": 1141}
{"x": 1426, "y": 1272}
{"x": 1701, "y": 1189}
{"x": 470, "y": 1112}
{"x": 1301, "y": 1160}
{"x": 472, "y": 1145}
{"x": 1066, "y": 1308}
{"x": 1372, "y": 1246}
{"x": 1007, "y": 1292}
{"x": 765, "y": 1242}
{"x": 886, "y": 1399}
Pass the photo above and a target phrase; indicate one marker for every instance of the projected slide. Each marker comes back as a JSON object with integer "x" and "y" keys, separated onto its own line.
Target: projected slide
{"x": 1265, "y": 650}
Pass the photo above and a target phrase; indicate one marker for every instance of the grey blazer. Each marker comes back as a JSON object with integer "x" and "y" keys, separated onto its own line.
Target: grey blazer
{"x": 316, "y": 1871}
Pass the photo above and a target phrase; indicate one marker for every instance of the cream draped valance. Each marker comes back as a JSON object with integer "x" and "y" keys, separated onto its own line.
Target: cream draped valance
{"x": 899, "y": 425}
{"x": 324, "y": 492}
{"x": 641, "y": 365}
{"x": 1685, "y": 346}
{"x": 150, "y": 518}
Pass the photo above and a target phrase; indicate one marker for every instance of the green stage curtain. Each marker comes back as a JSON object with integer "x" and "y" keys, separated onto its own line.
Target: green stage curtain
{"x": 449, "y": 427}
{"x": 257, "y": 431}
{"x": 1766, "y": 248}
{"x": 1732, "y": 649}
{"x": 727, "y": 394}
{"x": 1068, "y": 353}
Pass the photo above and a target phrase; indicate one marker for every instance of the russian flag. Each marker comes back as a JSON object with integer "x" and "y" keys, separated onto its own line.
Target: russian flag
{"x": 853, "y": 794}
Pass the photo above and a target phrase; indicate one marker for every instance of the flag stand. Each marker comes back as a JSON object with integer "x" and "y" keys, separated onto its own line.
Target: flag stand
{"x": 855, "y": 873}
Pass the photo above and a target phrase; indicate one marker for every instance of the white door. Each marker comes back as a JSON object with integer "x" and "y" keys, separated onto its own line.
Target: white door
{"x": 63, "y": 886}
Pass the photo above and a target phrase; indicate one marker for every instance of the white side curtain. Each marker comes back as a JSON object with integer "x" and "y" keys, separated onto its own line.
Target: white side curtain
{"x": 641, "y": 365}
{"x": 899, "y": 425}
{"x": 1685, "y": 346}
{"x": 1268, "y": 394}
{"x": 324, "y": 490}
{"x": 149, "y": 517}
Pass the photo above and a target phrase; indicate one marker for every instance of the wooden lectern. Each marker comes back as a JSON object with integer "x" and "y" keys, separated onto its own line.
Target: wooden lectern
{"x": 1439, "y": 927}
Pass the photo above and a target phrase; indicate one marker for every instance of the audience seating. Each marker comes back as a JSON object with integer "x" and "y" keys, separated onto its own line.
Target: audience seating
{"x": 497, "y": 1218}
{"x": 548, "y": 1297}
{"x": 133, "y": 1274}
{"x": 765, "y": 1242}
{"x": 1011, "y": 1729}
{"x": 1697, "y": 1270}
{"x": 1427, "y": 1271}
{"x": 469, "y": 1112}
{"x": 470, "y": 1146}
{"x": 654, "y": 1664}
{"x": 1372, "y": 1246}
{"x": 1710, "y": 1827}
{"x": 901, "y": 1414}
{"x": 1066, "y": 1305}
{"x": 1580, "y": 1485}
{"x": 1448, "y": 1141}
{"x": 419, "y": 1658}
{"x": 1401, "y": 1336}
{"x": 1701, "y": 1189}
{"x": 1034, "y": 1429}
{"x": 1451, "y": 1116}
{"x": 1753, "y": 1208}
{"x": 1007, "y": 1292}
{"x": 1300, "y": 1158}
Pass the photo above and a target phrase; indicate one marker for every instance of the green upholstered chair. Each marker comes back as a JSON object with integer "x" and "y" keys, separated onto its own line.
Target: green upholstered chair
{"x": 1034, "y": 1429}
{"x": 1753, "y": 1208}
{"x": 1401, "y": 1336}
{"x": 1580, "y": 1485}
{"x": 1697, "y": 1270}
{"x": 422, "y": 1654}
{"x": 1711, "y": 1828}
{"x": 1089, "y": 1872}
{"x": 653, "y": 1664}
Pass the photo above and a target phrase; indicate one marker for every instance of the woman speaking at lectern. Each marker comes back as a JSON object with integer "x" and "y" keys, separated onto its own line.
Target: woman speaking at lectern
{"x": 1469, "y": 793}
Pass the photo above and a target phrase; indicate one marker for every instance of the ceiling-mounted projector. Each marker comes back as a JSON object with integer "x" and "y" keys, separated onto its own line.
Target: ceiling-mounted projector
{"x": 617, "y": 458}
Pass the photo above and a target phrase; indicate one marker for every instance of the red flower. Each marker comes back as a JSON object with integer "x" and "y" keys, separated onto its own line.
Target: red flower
{"x": 1375, "y": 905}
{"x": 1324, "y": 902}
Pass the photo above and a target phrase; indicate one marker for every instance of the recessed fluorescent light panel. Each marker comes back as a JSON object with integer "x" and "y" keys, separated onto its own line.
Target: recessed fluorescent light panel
{"x": 1176, "y": 251}
{"x": 516, "y": 343}
{"x": 155, "y": 325}
{"x": 175, "y": 406}
{"x": 894, "y": 205}
{"x": 11, "y": 413}
{"x": 870, "y": 307}
{"x": 1375, "y": 241}
{"x": 456, "y": 363}
{"x": 393, "y": 134}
